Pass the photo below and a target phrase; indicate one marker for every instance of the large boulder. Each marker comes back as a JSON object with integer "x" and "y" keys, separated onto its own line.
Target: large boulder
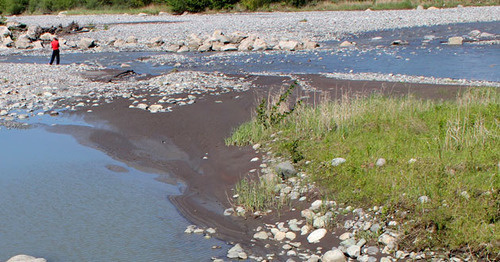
{"x": 34, "y": 32}
{"x": 288, "y": 45}
{"x": 157, "y": 41}
{"x": 7, "y": 42}
{"x": 237, "y": 37}
{"x": 347, "y": 44}
{"x": 45, "y": 37}
{"x": 132, "y": 40}
{"x": 316, "y": 235}
{"x": 229, "y": 47}
{"x": 25, "y": 258}
{"x": 285, "y": 170}
{"x": 15, "y": 26}
{"x": 259, "y": 45}
{"x": 86, "y": 42}
{"x": 247, "y": 43}
{"x": 4, "y": 32}
{"x": 218, "y": 36}
{"x": 23, "y": 42}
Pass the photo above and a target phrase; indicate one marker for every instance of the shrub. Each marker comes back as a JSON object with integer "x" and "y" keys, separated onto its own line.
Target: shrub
{"x": 180, "y": 6}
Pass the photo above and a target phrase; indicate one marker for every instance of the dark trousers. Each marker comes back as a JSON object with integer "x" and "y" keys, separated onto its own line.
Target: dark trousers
{"x": 55, "y": 54}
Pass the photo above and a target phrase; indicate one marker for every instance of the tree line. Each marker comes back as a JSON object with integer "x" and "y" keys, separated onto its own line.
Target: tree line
{"x": 13, "y": 7}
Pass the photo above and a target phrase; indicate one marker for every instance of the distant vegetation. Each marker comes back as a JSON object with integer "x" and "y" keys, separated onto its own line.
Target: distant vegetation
{"x": 180, "y": 6}
{"x": 446, "y": 151}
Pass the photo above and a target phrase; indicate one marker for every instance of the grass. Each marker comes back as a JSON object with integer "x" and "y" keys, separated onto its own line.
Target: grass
{"x": 258, "y": 195}
{"x": 150, "y": 9}
{"x": 457, "y": 152}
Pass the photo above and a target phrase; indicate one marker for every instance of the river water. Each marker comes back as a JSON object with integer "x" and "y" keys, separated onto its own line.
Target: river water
{"x": 59, "y": 201}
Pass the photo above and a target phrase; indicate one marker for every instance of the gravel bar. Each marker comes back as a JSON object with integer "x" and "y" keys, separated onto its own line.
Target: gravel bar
{"x": 317, "y": 26}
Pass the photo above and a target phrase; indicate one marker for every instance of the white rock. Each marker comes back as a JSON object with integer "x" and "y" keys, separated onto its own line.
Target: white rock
{"x": 290, "y": 235}
{"x": 333, "y": 256}
{"x": 347, "y": 44}
{"x": 279, "y": 236}
{"x": 424, "y": 199}
{"x": 25, "y": 258}
{"x": 260, "y": 235}
{"x": 316, "y": 235}
{"x": 338, "y": 161}
{"x": 345, "y": 236}
{"x": 353, "y": 251}
{"x": 315, "y": 205}
{"x": 380, "y": 162}
{"x": 387, "y": 240}
{"x": 456, "y": 40}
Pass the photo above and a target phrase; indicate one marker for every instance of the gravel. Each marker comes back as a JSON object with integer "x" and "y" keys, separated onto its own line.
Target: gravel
{"x": 318, "y": 26}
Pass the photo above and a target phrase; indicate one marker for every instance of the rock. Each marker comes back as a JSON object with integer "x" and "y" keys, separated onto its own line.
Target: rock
{"x": 86, "y": 42}
{"x": 157, "y": 41}
{"x": 310, "y": 44}
{"x": 8, "y": 42}
{"x": 285, "y": 170}
{"x": 399, "y": 42}
{"x": 46, "y": 37}
{"x": 345, "y": 236}
{"x": 205, "y": 47}
{"x": 473, "y": 33}
{"x": 23, "y": 42}
{"x": 37, "y": 45}
{"x": 237, "y": 37}
{"x": 247, "y": 44}
{"x": 353, "y": 251}
{"x": 373, "y": 251}
{"x": 229, "y": 47}
{"x": 290, "y": 235}
{"x": 316, "y": 235}
{"x": 235, "y": 252}
{"x": 380, "y": 162}
{"x": 183, "y": 49}
{"x": 218, "y": 36}
{"x": 338, "y": 161}
{"x": 456, "y": 40}
{"x": 420, "y": 7}
{"x": 25, "y": 258}
{"x": 387, "y": 240}
{"x": 132, "y": 40}
{"x": 347, "y": 44}
{"x": 485, "y": 35}
{"x": 210, "y": 231}
{"x": 217, "y": 46}
{"x": 228, "y": 211}
{"x": 33, "y": 32}
{"x": 172, "y": 48}
{"x": 385, "y": 259}
{"x": 412, "y": 160}
{"x": 259, "y": 45}
{"x": 432, "y": 8}
{"x": 260, "y": 235}
{"x": 375, "y": 228}
{"x": 15, "y": 26}
{"x": 4, "y": 32}
{"x": 155, "y": 108}
{"x": 424, "y": 199}
{"x": 333, "y": 256}
{"x": 142, "y": 106}
{"x": 119, "y": 43}
{"x": 322, "y": 221}
{"x": 279, "y": 236}
{"x": 288, "y": 45}
{"x": 305, "y": 229}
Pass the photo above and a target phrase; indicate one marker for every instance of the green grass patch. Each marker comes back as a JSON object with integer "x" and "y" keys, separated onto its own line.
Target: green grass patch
{"x": 259, "y": 195}
{"x": 455, "y": 145}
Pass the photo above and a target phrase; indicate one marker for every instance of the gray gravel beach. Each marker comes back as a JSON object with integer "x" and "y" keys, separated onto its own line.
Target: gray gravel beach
{"x": 318, "y": 26}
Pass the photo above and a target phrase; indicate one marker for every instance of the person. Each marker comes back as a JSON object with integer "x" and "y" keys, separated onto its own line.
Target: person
{"x": 55, "y": 51}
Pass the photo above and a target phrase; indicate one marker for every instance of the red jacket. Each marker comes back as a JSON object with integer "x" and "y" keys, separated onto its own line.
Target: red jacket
{"x": 55, "y": 45}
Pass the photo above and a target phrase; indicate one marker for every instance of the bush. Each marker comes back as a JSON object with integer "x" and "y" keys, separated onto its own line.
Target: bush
{"x": 180, "y": 6}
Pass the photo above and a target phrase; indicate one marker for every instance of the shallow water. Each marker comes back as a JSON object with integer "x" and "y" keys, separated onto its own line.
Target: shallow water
{"x": 59, "y": 201}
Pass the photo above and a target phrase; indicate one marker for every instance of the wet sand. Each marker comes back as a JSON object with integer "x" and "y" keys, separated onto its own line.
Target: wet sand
{"x": 174, "y": 144}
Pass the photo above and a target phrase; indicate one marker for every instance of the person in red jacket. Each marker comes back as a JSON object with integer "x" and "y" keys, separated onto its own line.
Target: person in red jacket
{"x": 55, "y": 51}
